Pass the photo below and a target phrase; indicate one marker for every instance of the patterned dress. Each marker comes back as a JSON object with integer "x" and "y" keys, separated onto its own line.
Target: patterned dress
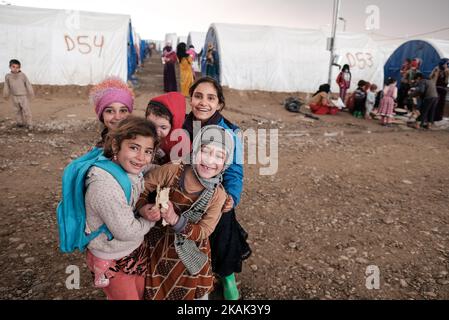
{"x": 167, "y": 277}
{"x": 386, "y": 108}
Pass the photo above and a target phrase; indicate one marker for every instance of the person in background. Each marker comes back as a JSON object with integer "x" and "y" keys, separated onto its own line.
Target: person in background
{"x": 169, "y": 60}
{"x": 212, "y": 69}
{"x": 320, "y": 102}
{"x": 411, "y": 76}
{"x": 427, "y": 90}
{"x": 441, "y": 74}
{"x": 370, "y": 101}
{"x": 404, "y": 85}
{"x": 387, "y": 104}
{"x": 192, "y": 53}
{"x": 185, "y": 68}
{"x": 379, "y": 96}
{"x": 344, "y": 81}
{"x": 18, "y": 87}
{"x": 360, "y": 99}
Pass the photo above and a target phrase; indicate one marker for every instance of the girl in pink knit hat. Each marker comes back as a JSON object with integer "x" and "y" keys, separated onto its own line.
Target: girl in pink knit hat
{"x": 113, "y": 101}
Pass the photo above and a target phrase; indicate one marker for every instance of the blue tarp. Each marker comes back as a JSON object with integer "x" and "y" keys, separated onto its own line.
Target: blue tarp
{"x": 412, "y": 49}
{"x": 143, "y": 51}
{"x": 132, "y": 54}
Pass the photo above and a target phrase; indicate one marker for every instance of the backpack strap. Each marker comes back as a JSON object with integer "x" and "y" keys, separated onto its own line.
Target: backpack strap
{"x": 122, "y": 178}
{"x": 118, "y": 173}
{"x": 103, "y": 229}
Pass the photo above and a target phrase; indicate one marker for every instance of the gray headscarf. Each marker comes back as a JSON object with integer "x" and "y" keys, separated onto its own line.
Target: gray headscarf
{"x": 217, "y": 136}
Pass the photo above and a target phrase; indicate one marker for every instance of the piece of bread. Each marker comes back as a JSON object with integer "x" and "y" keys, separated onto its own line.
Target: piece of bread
{"x": 162, "y": 199}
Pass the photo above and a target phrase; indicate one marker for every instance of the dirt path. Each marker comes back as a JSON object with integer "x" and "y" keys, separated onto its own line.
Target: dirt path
{"x": 348, "y": 194}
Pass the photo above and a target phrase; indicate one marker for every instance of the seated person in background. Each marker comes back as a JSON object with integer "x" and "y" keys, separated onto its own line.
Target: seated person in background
{"x": 320, "y": 102}
{"x": 370, "y": 101}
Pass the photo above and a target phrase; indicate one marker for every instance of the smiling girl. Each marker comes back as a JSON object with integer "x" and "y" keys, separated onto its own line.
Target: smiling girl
{"x": 180, "y": 262}
{"x": 113, "y": 101}
{"x": 119, "y": 264}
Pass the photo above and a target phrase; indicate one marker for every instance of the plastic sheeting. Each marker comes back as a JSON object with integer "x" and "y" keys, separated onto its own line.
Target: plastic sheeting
{"x": 132, "y": 53}
{"x": 289, "y": 60}
{"x": 62, "y": 47}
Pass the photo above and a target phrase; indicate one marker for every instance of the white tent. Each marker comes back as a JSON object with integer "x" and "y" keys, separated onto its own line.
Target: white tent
{"x": 289, "y": 60}
{"x": 196, "y": 39}
{"x": 182, "y": 39}
{"x": 171, "y": 38}
{"x": 61, "y": 47}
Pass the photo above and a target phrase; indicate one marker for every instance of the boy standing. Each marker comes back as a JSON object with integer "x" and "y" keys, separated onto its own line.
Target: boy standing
{"x": 19, "y": 88}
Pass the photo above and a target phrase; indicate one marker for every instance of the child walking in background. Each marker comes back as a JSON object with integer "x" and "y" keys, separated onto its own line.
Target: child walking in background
{"x": 387, "y": 104}
{"x": 20, "y": 89}
{"x": 167, "y": 112}
{"x": 228, "y": 241}
{"x": 179, "y": 266}
{"x": 113, "y": 101}
{"x": 119, "y": 264}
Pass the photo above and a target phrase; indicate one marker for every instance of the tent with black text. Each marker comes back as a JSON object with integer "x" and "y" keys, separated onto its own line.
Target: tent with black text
{"x": 64, "y": 47}
{"x": 289, "y": 60}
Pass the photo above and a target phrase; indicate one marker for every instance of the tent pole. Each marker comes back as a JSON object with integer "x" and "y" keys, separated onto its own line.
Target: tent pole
{"x": 331, "y": 43}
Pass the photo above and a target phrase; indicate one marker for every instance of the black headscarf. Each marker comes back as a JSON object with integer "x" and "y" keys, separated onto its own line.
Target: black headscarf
{"x": 181, "y": 51}
{"x": 323, "y": 88}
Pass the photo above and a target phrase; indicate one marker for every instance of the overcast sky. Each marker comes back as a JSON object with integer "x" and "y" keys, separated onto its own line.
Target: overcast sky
{"x": 153, "y": 19}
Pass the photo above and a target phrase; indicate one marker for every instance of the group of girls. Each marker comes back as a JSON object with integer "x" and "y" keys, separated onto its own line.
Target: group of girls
{"x": 159, "y": 252}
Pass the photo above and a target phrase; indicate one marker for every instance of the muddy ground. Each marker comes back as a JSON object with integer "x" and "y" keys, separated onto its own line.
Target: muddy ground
{"x": 347, "y": 194}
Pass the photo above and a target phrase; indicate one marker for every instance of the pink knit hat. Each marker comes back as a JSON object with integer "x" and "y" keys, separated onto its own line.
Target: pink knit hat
{"x": 111, "y": 90}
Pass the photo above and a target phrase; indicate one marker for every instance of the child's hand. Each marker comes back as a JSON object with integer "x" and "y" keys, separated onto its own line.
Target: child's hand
{"x": 150, "y": 212}
{"x": 169, "y": 215}
{"x": 228, "y": 205}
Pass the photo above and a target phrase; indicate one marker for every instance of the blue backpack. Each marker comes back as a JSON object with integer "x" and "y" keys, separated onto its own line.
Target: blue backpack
{"x": 71, "y": 211}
